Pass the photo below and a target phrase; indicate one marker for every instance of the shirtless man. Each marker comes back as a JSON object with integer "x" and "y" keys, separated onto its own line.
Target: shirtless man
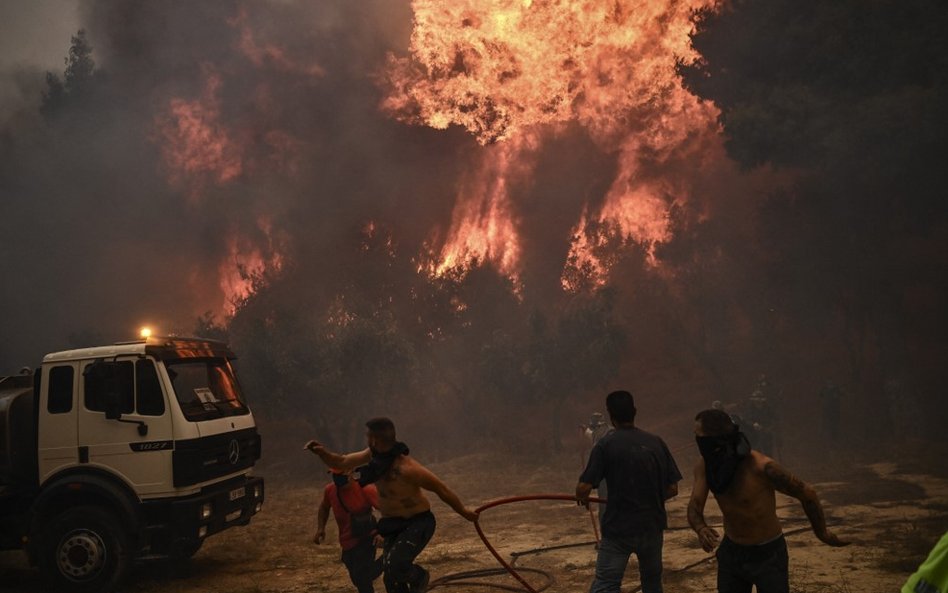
{"x": 753, "y": 551}
{"x": 407, "y": 522}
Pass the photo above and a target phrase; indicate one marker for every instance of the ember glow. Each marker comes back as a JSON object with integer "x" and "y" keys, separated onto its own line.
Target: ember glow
{"x": 264, "y": 55}
{"x": 506, "y": 70}
{"x": 246, "y": 265}
{"x": 195, "y": 145}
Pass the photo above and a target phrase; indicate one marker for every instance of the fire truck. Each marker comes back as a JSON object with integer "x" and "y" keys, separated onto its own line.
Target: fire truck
{"x": 116, "y": 453}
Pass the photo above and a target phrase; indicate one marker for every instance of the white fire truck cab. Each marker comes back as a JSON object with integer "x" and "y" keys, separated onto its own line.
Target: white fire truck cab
{"x": 119, "y": 452}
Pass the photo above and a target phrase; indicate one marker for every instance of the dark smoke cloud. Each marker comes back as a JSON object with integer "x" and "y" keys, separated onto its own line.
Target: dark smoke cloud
{"x": 98, "y": 233}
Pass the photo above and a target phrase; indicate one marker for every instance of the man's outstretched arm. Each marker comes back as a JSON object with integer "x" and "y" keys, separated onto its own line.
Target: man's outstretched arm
{"x": 784, "y": 481}
{"x": 427, "y": 480}
{"x": 339, "y": 460}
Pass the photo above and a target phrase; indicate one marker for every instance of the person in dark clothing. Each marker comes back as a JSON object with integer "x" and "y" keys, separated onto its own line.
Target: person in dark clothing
{"x": 351, "y": 504}
{"x": 753, "y": 552}
{"x": 407, "y": 522}
{"x": 641, "y": 475}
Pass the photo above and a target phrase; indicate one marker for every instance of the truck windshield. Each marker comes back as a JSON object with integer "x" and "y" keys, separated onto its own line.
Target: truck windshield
{"x": 206, "y": 388}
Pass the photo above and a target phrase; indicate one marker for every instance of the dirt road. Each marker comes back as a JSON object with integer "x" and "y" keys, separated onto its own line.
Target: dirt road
{"x": 892, "y": 513}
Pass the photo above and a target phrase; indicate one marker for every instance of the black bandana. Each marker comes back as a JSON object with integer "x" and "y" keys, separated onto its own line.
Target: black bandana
{"x": 380, "y": 463}
{"x": 722, "y": 454}
{"x": 340, "y": 480}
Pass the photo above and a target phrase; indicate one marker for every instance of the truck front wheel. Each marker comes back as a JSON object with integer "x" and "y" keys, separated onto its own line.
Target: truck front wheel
{"x": 85, "y": 549}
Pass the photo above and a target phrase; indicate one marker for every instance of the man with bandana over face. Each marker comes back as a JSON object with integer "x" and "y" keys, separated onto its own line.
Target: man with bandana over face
{"x": 753, "y": 551}
{"x": 407, "y": 522}
{"x": 349, "y": 502}
{"x": 641, "y": 475}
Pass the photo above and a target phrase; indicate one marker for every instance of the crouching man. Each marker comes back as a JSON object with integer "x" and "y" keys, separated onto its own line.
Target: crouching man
{"x": 407, "y": 522}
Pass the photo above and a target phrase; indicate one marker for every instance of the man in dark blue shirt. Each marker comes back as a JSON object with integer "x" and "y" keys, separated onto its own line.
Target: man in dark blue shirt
{"x": 641, "y": 475}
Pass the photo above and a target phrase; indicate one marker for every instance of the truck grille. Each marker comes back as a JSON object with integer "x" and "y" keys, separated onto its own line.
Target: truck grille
{"x": 206, "y": 458}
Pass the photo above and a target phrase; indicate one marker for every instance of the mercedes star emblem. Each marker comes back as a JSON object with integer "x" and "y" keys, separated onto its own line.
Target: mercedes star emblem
{"x": 234, "y": 452}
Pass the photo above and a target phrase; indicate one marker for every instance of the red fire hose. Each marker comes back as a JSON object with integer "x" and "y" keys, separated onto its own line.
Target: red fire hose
{"x": 510, "y": 500}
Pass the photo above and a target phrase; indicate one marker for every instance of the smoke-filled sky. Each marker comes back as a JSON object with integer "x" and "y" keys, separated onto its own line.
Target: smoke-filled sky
{"x": 36, "y": 33}
{"x": 33, "y": 35}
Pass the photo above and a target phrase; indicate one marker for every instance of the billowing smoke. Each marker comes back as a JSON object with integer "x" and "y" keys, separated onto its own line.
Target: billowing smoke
{"x": 483, "y": 208}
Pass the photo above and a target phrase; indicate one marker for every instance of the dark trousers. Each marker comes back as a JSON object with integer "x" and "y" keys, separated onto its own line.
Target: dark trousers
{"x": 362, "y": 565}
{"x": 404, "y": 540}
{"x": 741, "y": 567}
{"x": 614, "y": 555}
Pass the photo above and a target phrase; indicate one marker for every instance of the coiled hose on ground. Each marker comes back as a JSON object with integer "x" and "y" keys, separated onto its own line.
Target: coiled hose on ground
{"x": 464, "y": 578}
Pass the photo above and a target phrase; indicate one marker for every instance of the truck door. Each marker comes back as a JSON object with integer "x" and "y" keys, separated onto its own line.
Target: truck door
{"x": 138, "y": 444}
{"x": 56, "y": 440}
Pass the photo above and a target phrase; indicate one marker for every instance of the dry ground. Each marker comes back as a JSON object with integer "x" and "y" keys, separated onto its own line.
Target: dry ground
{"x": 893, "y": 513}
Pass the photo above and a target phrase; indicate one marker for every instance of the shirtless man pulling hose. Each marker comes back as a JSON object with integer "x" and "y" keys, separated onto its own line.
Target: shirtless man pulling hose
{"x": 753, "y": 551}
{"x": 407, "y": 522}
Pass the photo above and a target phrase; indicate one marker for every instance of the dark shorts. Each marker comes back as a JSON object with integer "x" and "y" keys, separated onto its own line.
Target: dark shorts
{"x": 742, "y": 567}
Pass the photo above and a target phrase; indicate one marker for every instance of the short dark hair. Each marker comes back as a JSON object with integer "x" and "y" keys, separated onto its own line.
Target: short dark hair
{"x": 383, "y": 429}
{"x": 621, "y": 406}
{"x": 715, "y": 423}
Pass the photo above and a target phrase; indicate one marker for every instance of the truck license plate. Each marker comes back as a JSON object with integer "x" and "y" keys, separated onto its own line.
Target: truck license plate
{"x": 238, "y": 493}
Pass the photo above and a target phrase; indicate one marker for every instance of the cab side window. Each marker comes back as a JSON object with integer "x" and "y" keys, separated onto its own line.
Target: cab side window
{"x": 95, "y": 388}
{"x": 60, "y": 390}
{"x": 149, "y": 401}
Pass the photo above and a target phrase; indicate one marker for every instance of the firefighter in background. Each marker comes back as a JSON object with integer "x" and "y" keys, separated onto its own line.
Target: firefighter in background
{"x": 595, "y": 430}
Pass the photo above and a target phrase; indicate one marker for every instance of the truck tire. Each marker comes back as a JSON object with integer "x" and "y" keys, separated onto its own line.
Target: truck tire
{"x": 85, "y": 550}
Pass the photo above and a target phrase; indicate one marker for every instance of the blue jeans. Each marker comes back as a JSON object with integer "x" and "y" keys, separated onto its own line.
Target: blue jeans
{"x": 614, "y": 557}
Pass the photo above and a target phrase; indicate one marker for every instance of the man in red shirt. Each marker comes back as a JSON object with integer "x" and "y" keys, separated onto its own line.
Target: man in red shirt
{"x": 352, "y": 506}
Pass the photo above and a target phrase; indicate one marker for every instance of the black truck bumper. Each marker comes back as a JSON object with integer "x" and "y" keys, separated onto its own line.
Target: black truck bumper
{"x": 184, "y": 521}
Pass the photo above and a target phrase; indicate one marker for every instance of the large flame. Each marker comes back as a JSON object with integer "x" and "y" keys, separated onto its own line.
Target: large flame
{"x": 506, "y": 70}
{"x": 483, "y": 225}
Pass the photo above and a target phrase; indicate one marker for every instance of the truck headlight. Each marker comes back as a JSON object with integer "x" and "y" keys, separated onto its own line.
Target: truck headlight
{"x": 207, "y": 509}
{"x": 257, "y": 491}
